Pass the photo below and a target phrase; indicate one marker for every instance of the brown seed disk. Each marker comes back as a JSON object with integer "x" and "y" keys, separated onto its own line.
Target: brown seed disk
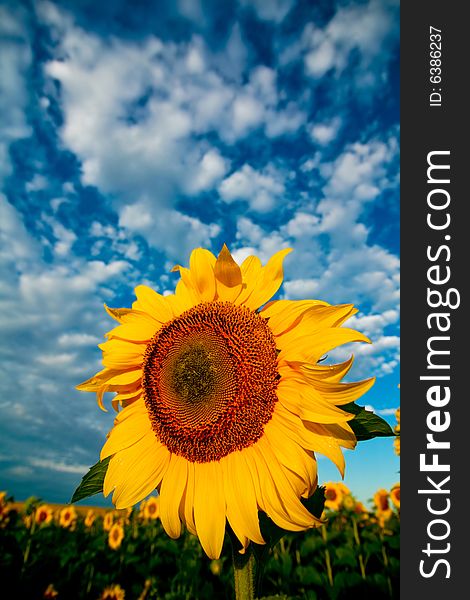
{"x": 209, "y": 379}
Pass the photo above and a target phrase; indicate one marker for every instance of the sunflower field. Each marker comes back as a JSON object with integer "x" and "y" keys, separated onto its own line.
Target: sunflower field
{"x": 77, "y": 552}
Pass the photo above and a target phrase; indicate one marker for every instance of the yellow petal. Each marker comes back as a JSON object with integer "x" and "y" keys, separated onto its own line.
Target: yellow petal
{"x": 118, "y": 314}
{"x": 279, "y": 497}
{"x": 284, "y": 314}
{"x": 139, "y": 331}
{"x": 242, "y": 508}
{"x": 226, "y": 269}
{"x": 315, "y": 318}
{"x": 318, "y": 438}
{"x": 151, "y": 302}
{"x": 110, "y": 377}
{"x": 312, "y": 347}
{"x": 327, "y": 444}
{"x": 209, "y": 507}
{"x": 251, "y": 269}
{"x": 187, "y": 286}
{"x": 293, "y": 456}
{"x": 130, "y": 425}
{"x": 342, "y": 393}
{"x": 304, "y": 401}
{"x": 119, "y": 354}
{"x": 171, "y": 492}
{"x": 135, "y": 471}
{"x": 185, "y": 298}
{"x": 201, "y": 266}
{"x": 186, "y": 509}
{"x": 333, "y": 373}
{"x": 271, "y": 280}
{"x": 152, "y": 470}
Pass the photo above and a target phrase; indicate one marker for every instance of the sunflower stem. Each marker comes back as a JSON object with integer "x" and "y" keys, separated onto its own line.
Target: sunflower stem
{"x": 329, "y": 570}
{"x": 359, "y": 545}
{"x": 244, "y": 574}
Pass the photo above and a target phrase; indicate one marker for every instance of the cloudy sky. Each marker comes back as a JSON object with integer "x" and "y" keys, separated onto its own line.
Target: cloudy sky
{"x": 134, "y": 132}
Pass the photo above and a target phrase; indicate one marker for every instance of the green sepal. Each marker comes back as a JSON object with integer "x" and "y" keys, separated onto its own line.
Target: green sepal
{"x": 92, "y": 482}
{"x": 366, "y": 424}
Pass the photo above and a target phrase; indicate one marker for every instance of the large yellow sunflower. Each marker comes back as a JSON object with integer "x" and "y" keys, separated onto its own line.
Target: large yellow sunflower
{"x": 225, "y": 402}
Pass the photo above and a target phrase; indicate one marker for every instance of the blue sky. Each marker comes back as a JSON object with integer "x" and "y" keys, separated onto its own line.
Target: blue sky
{"x": 134, "y": 132}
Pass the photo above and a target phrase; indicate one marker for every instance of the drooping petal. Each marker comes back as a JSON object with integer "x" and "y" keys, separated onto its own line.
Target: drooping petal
{"x": 310, "y": 348}
{"x": 242, "y": 508}
{"x": 314, "y": 319}
{"x": 209, "y": 507}
{"x": 342, "y": 393}
{"x": 305, "y": 401}
{"x": 332, "y": 373}
{"x": 187, "y": 501}
{"x": 285, "y": 314}
{"x": 293, "y": 456}
{"x": 110, "y": 377}
{"x": 135, "y": 471}
{"x": 279, "y": 497}
{"x": 171, "y": 492}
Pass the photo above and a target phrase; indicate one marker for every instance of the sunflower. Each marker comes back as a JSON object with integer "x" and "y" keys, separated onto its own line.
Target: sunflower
{"x": 108, "y": 520}
{"x": 43, "y": 515}
{"x": 396, "y": 445}
{"x": 115, "y": 536}
{"x": 222, "y": 392}
{"x": 334, "y": 494}
{"x": 383, "y": 512}
{"x": 349, "y": 503}
{"x": 68, "y": 517}
{"x": 90, "y": 518}
{"x": 112, "y": 592}
{"x": 396, "y": 429}
{"x": 151, "y": 508}
{"x": 360, "y": 509}
{"x": 50, "y": 592}
{"x": 4, "y": 509}
{"x": 395, "y": 495}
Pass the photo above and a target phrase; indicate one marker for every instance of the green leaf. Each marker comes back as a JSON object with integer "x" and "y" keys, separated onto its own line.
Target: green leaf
{"x": 92, "y": 482}
{"x": 366, "y": 424}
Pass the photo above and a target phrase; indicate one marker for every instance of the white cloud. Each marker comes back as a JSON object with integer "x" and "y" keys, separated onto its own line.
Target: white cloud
{"x": 73, "y": 340}
{"x": 170, "y": 230}
{"x": 37, "y": 183}
{"x": 325, "y": 133}
{"x": 247, "y": 113}
{"x": 61, "y": 467}
{"x": 15, "y": 59}
{"x": 209, "y": 171}
{"x": 259, "y": 189}
{"x": 274, "y": 10}
{"x": 359, "y": 28}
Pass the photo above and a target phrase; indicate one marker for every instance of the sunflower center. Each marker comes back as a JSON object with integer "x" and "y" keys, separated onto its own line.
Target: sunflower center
{"x": 209, "y": 379}
{"x": 193, "y": 376}
{"x": 383, "y": 502}
{"x": 330, "y": 494}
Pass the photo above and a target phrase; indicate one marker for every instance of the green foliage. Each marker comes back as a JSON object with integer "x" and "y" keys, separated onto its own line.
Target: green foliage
{"x": 366, "y": 424}
{"x": 80, "y": 563}
{"x": 92, "y": 482}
